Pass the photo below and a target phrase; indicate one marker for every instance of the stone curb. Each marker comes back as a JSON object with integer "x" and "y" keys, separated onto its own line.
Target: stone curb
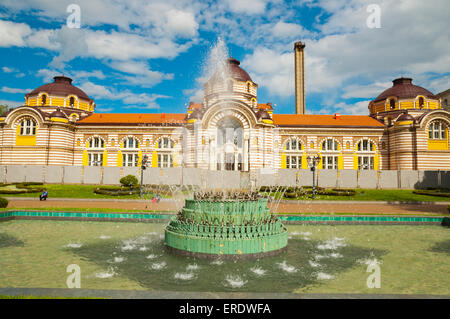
{"x": 145, "y": 294}
{"x": 302, "y": 202}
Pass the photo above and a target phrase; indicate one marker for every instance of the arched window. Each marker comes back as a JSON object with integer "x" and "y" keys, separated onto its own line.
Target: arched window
{"x": 293, "y": 153}
{"x": 43, "y": 99}
{"x": 392, "y": 104}
{"x": 248, "y": 87}
{"x": 95, "y": 151}
{"x": 436, "y": 131}
{"x": 329, "y": 155}
{"x": 421, "y": 102}
{"x": 165, "y": 152}
{"x": 72, "y": 101}
{"x": 366, "y": 154}
{"x": 330, "y": 145}
{"x": 28, "y": 127}
{"x": 131, "y": 142}
{"x": 165, "y": 143}
{"x": 96, "y": 142}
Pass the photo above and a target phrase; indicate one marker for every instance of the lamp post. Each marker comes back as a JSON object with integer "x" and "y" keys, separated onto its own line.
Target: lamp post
{"x": 143, "y": 166}
{"x": 312, "y": 162}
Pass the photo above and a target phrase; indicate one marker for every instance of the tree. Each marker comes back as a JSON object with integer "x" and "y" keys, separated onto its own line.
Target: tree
{"x": 3, "y": 108}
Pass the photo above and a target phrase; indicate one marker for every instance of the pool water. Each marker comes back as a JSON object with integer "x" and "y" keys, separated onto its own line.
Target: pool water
{"x": 320, "y": 258}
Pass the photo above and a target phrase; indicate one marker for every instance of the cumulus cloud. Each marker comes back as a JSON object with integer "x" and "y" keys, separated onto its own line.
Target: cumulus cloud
{"x": 15, "y": 90}
{"x": 247, "y": 6}
{"x": 130, "y": 99}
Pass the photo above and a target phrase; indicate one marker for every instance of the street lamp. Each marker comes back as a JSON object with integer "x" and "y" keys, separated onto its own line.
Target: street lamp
{"x": 312, "y": 162}
{"x": 143, "y": 166}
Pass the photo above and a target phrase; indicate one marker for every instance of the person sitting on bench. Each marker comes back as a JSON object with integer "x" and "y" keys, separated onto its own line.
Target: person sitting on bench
{"x": 44, "y": 195}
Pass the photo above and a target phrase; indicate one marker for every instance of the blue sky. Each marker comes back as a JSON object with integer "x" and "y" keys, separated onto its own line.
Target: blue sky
{"x": 139, "y": 56}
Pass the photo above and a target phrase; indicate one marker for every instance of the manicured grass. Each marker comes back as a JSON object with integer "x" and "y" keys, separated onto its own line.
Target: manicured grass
{"x": 87, "y": 191}
{"x": 75, "y": 191}
{"x": 44, "y": 297}
{"x": 361, "y": 213}
{"x": 398, "y": 195}
{"x": 81, "y": 209}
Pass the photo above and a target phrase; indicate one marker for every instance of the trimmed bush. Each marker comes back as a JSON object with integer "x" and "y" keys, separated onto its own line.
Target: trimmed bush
{"x": 290, "y": 195}
{"x": 3, "y": 202}
{"x": 129, "y": 181}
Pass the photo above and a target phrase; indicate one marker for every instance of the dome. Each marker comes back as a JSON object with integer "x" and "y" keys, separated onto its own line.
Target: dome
{"x": 404, "y": 89}
{"x": 196, "y": 115}
{"x": 62, "y": 86}
{"x": 263, "y": 115}
{"x": 234, "y": 71}
{"x": 58, "y": 113}
{"x": 405, "y": 117}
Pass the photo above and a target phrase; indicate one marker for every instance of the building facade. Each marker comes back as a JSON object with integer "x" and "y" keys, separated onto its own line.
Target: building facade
{"x": 405, "y": 129}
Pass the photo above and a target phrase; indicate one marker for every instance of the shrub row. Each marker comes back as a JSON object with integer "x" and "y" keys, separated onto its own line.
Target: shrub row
{"x": 116, "y": 192}
{"x": 431, "y": 193}
{"x": 294, "y": 192}
{"x": 23, "y": 188}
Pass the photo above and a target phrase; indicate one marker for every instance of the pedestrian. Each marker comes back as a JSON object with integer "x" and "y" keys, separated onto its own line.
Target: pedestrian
{"x": 44, "y": 195}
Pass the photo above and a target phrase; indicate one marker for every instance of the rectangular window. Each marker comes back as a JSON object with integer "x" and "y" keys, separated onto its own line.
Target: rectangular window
{"x": 95, "y": 159}
{"x": 366, "y": 162}
{"x": 165, "y": 160}
{"x": 330, "y": 162}
{"x": 130, "y": 159}
{"x": 293, "y": 161}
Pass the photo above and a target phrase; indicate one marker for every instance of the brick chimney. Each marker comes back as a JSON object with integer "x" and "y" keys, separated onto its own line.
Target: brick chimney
{"x": 299, "y": 78}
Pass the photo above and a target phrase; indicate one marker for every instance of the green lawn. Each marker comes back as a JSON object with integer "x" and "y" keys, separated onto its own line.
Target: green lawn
{"x": 82, "y": 209}
{"x": 87, "y": 191}
{"x": 400, "y": 195}
{"x": 74, "y": 191}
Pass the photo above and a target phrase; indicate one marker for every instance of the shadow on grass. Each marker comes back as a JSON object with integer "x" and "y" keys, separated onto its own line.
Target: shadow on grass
{"x": 146, "y": 261}
{"x": 442, "y": 247}
{"x": 8, "y": 241}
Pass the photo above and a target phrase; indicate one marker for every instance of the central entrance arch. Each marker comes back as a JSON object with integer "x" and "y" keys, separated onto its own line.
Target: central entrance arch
{"x": 229, "y": 145}
{"x": 228, "y": 124}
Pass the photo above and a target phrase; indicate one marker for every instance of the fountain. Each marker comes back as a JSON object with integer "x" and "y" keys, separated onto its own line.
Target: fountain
{"x": 228, "y": 225}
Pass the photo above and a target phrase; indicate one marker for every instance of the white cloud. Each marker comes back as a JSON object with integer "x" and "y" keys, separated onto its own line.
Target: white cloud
{"x": 358, "y": 108}
{"x": 11, "y": 103}
{"x": 15, "y": 90}
{"x": 272, "y": 70}
{"x": 6, "y": 69}
{"x": 287, "y": 30}
{"x": 141, "y": 73}
{"x": 440, "y": 84}
{"x": 13, "y": 34}
{"x": 247, "y": 6}
{"x": 130, "y": 99}
{"x": 371, "y": 90}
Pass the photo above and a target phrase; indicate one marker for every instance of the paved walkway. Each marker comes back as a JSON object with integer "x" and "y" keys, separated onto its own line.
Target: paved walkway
{"x": 286, "y": 207}
{"x": 152, "y": 294}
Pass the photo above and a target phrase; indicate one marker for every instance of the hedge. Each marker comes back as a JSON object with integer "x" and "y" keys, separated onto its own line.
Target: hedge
{"x": 438, "y": 193}
{"x": 23, "y": 188}
{"x": 116, "y": 192}
{"x": 3, "y": 202}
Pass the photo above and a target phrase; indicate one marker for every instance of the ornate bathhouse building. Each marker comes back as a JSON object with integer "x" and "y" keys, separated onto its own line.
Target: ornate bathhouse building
{"x": 405, "y": 129}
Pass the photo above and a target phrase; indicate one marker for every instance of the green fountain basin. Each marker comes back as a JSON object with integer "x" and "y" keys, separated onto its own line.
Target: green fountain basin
{"x": 227, "y": 228}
